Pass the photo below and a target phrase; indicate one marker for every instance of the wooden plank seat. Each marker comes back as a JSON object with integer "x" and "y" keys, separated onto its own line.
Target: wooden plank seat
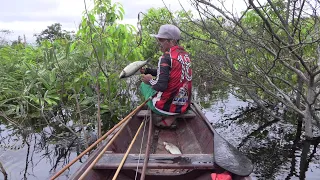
{"x": 157, "y": 161}
{"x": 188, "y": 114}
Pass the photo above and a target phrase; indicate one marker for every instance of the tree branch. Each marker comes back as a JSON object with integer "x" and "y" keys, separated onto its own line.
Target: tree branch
{"x": 297, "y": 71}
{"x": 91, "y": 40}
{"x": 277, "y": 37}
{"x": 260, "y": 104}
{"x": 284, "y": 23}
{"x": 4, "y": 172}
{"x": 298, "y": 19}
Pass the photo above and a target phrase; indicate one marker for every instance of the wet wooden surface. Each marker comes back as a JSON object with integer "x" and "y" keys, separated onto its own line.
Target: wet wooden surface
{"x": 189, "y": 114}
{"x": 192, "y": 137}
{"x": 169, "y": 174}
{"x": 169, "y": 136}
{"x": 157, "y": 161}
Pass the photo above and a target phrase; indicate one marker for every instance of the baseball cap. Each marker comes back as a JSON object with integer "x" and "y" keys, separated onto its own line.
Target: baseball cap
{"x": 168, "y": 31}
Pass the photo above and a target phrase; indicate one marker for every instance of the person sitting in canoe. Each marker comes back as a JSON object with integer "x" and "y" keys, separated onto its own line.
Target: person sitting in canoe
{"x": 170, "y": 84}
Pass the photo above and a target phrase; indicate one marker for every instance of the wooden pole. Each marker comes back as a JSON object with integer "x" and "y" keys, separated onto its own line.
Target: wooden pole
{"x": 102, "y": 152}
{"x": 147, "y": 153}
{"x": 126, "y": 154}
{"x": 100, "y": 139}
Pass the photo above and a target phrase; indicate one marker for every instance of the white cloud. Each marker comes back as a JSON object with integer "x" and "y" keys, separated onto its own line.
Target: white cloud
{"x": 32, "y": 16}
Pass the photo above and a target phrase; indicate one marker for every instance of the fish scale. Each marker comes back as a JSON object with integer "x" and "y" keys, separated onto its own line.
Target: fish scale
{"x": 171, "y": 148}
{"x": 132, "y": 68}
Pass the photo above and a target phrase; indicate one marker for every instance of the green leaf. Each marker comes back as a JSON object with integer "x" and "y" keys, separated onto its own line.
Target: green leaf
{"x": 73, "y": 45}
{"x": 50, "y": 102}
{"x": 93, "y": 35}
{"x": 45, "y": 94}
{"x": 52, "y": 77}
{"x": 88, "y": 90}
{"x": 10, "y": 111}
{"x": 44, "y": 83}
{"x": 76, "y": 80}
{"x": 86, "y": 101}
{"x": 92, "y": 18}
{"x": 17, "y": 110}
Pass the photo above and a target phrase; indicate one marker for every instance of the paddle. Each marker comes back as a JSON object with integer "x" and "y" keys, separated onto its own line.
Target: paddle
{"x": 225, "y": 155}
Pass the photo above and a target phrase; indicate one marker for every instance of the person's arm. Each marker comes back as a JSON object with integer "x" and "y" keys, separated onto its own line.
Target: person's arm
{"x": 153, "y": 72}
{"x": 162, "y": 79}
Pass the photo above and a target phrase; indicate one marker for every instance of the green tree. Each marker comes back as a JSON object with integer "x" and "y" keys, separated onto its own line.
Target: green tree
{"x": 3, "y": 34}
{"x": 271, "y": 52}
{"x": 52, "y": 33}
{"x": 203, "y": 56}
{"x": 112, "y": 46}
{"x": 63, "y": 80}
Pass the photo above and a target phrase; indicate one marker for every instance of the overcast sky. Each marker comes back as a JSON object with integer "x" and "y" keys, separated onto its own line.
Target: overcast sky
{"x": 32, "y": 16}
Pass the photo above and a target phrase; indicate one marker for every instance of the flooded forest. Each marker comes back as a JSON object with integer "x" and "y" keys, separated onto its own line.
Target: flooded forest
{"x": 255, "y": 77}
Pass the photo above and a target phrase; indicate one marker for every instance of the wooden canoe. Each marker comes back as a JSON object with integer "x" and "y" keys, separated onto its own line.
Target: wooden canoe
{"x": 194, "y": 137}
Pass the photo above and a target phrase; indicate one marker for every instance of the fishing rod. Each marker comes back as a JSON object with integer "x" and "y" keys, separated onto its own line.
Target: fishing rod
{"x": 128, "y": 150}
{"x": 102, "y": 152}
{"x": 101, "y": 138}
{"x": 147, "y": 153}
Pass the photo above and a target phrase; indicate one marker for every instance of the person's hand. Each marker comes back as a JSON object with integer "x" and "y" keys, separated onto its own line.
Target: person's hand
{"x": 142, "y": 70}
{"x": 146, "y": 78}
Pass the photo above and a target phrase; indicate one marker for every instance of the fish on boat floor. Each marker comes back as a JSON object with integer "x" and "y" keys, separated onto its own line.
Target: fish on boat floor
{"x": 193, "y": 138}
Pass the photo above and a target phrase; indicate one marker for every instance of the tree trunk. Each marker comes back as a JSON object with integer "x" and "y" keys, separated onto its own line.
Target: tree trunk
{"x": 81, "y": 122}
{"x": 5, "y": 174}
{"x": 98, "y": 110}
{"x": 308, "y": 122}
{"x": 307, "y": 113}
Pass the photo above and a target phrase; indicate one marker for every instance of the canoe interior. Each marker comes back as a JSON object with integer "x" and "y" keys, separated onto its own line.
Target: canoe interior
{"x": 192, "y": 137}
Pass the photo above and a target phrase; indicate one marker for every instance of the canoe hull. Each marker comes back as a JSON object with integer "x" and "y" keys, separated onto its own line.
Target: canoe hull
{"x": 193, "y": 137}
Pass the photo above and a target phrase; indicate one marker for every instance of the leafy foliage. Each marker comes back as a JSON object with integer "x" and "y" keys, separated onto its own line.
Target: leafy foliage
{"x": 52, "y": 33}
{"x": 271, "y": 53}
{"x": 62, "y": 78}
{"x": 75, "y": 77}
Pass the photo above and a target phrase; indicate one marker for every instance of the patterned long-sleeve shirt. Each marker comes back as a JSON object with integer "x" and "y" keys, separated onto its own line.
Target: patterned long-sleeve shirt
{"x": 173, "y": 81}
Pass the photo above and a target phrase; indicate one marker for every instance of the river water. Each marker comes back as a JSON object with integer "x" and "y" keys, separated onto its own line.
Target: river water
{"x": 271, "y": 145}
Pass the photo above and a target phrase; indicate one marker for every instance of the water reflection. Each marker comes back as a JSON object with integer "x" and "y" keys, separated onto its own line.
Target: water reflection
{"x": 275, "y": 146}
{"x": 37, "y": 155}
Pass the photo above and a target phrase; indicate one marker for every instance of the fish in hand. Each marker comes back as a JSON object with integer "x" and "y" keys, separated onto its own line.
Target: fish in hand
{"x": 132, "y": 68}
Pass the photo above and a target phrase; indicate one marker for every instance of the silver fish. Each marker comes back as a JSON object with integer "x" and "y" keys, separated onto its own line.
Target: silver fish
{"x": 132, "y": 68}
{"x": 171, "y": 148}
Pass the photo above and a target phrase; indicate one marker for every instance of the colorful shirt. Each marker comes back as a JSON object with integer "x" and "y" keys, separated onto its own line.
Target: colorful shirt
{"x": 173, "y": 82}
